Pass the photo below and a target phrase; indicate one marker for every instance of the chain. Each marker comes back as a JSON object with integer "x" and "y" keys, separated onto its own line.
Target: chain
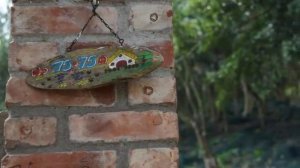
{"x": 95, "y": 5}
{"x": 121, "y": 41}
{"x": 79, "y": 34}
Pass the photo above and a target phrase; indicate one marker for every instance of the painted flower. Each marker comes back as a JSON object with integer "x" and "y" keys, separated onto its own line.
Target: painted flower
{"x": 39, "y": 71}
{"x": 102, "y": 59}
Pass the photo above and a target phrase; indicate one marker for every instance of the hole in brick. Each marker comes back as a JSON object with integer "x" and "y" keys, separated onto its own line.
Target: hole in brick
{"x": 170, "y": 13}
{"x": 154, "y": 17}
{"x": 148, "y": 90}
{"x": 157, "y": 120}
{"x": 25, "y": 130}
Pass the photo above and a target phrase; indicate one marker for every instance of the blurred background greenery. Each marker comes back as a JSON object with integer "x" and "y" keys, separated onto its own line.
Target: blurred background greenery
{"x": 4, "y": 39}
{"x": 238, "y": 72}
{"x": 237, "y": 68}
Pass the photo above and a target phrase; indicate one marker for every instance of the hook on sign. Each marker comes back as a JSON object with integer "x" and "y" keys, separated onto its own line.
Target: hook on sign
{"x": 95, "y": 2}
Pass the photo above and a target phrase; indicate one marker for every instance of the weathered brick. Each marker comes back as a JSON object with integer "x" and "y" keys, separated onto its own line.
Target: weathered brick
{"x": 60, "y": 20}
{"x": 104, "y": 159}
{"x": 72, "y": 1}
{"x": 25, "y": 56}
{"x": 129, "y": 126}
{"x": 18, "y": 92}
{"x": 141, "y": 14}
{"x": 154, "y": 158}
{"x": 44, "y": 18}
{"x": 156, "y": 90}
{"x": 36, "y": 131}
{"x": 32, "y": 1}
{"x": 166, "y": 49}
{"x": 84, "y": 45}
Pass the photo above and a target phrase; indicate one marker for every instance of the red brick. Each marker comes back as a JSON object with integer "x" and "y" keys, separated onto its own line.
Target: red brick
{"x": 140, "y": 16}
{"x": 154, "y": 158}
{"x": 43, "y": 1}
{"x": 129, "y": 126}
{"x": 104, "y": 159}
{"x": 36, "y": 131}
{"x": 60, "y": 20}
{"x": 156, "y": 90}
{"x": 166, "y": 49}
{"x": 18, "y": 92}
{"x": 25, "y": 56}
{"x": 32, "y": 1}
{"x": 83, "y": 45}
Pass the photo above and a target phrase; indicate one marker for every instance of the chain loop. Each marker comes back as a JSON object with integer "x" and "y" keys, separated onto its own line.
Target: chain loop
{"x": 95, "y": 4}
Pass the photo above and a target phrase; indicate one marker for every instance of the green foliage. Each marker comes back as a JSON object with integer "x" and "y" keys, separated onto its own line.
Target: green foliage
{"x": 220, "y": 43}
{"x": 3, "y": 70}
{"x": 221, "y": 46}
{"x": 3, "y": 60}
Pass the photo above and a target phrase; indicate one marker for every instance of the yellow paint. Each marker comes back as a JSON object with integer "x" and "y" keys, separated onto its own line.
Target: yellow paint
{"x": 82, "y": 82}
{"x": 39, "y": 78}
{"x": 63, "y": 85}
{"x": 120, "y": 51}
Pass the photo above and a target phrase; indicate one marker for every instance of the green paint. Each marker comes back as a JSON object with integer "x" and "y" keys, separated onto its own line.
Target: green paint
{"x": 145, "y": 55}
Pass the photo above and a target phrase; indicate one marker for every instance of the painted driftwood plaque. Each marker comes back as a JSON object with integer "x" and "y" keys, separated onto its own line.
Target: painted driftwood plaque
{"x": 90, "y": 68}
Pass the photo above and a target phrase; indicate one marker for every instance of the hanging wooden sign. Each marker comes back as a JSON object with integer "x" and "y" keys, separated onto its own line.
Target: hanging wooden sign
{"x": 90, "y": 68}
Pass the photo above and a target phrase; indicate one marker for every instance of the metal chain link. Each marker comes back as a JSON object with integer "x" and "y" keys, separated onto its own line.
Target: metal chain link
{"x": 121, "y": 41}
{"x": 95, "y": 5}
{"x": 79, "y": 34}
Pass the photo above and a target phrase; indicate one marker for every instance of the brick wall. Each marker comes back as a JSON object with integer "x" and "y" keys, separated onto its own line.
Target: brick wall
{"x": 131, "y": 124}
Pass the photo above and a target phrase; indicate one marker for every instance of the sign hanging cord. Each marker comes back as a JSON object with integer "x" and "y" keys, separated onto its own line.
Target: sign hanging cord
{"x": 95, "y": 4}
